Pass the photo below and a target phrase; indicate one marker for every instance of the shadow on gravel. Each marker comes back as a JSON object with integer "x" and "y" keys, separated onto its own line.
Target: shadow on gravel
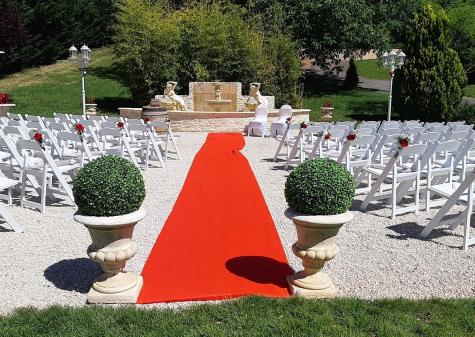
{"x": 411, "y": 230}
{"x": 73, "y": 275}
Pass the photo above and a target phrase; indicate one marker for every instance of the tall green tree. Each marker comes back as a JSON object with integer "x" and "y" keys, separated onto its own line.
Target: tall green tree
{"x": 36, "y": 32}
{"x": 462, "y": 31}
{"x": 429, "y": 85}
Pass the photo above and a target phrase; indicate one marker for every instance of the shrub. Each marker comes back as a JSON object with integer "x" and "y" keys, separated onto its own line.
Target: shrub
{"x": 351, "y": 77}
{"x": 320, "y": 187}
{"x": 201, "y": 41}
{"x": 429, "y": 85}
{"x": 35, "y": 33}
{"x": 108, "y": 186}
{"x": 465, "y": 112}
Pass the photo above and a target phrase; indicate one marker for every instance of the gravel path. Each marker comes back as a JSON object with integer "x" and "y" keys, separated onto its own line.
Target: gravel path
{"x": 379, "y": 258}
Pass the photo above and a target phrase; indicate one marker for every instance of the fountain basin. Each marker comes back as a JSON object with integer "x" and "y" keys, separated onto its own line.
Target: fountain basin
{"x": 219, "y": 105}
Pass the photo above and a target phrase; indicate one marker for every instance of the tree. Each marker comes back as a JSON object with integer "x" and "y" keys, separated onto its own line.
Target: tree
{"x": 429, "y": 85}
{"x": 35, "y": 32}
{"x": 351, "y": 77}
{"x": 462, "y": 31}
{"x": 201, "y": 41}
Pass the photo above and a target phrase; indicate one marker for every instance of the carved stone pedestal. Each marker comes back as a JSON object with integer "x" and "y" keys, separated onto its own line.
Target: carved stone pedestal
{"x": 316, "y": 236}
{"x": 111, "y": 247}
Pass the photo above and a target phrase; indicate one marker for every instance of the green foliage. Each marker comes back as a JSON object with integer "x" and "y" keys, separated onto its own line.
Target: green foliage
{"x": 461, "y": 16}
{"x": 351, "y": 77}
{"x": 465, "y": 112}
{"x": 43, "y": 31}
{"x": 200, "y": 42}
{"x": 320, "y": 186}
{"x": 429, "y": 85}
{"x": 108, "y": 186}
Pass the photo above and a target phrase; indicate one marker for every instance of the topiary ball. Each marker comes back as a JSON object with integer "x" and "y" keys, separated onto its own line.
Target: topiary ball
{"x": 108, "y": 186}
{"x": 320, "y": 187}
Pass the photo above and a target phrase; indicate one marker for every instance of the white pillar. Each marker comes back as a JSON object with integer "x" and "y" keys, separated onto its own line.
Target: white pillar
{"x": 390, "y": 92}
{"x": 83, "y": 78}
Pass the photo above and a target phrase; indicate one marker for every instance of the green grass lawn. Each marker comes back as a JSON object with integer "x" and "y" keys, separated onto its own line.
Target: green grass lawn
{"x": 358, "y": 104}
{"x": 253, "y": 317}
{"x": 57, "y": 87}
{"x": 469, "y": 90}
{"x": 371, "y": 69}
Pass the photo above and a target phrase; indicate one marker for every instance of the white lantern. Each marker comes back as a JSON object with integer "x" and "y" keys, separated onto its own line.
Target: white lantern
{"x": 85, "y": 54}
{"x": 385, "y": 59}
{"x": 392, "y": 57}
{"x": 73, "y": 53}
{"x": 401, "y": 57}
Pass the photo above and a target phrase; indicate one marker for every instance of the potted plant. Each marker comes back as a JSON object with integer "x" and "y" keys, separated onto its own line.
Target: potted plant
{"x": 5, "y": 104}
{"x": 91, "y": 105}
{"x": 319, "y": 193}
{"x": 327, "y": 111}
{"x": 109, "y": 192}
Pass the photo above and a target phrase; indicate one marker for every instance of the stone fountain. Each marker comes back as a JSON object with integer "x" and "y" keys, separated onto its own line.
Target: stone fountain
{"x": 218, "y": 103}
{"x": 210, "y": 106}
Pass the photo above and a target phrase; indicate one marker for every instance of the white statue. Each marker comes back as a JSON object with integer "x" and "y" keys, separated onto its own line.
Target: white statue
{"x": 254, "y": 93}
{"x": 170, "y": 100}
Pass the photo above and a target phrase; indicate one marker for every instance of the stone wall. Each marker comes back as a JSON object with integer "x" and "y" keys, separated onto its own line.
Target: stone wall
{"x": 223, "y": 122}
{"x": 240, "y": 98}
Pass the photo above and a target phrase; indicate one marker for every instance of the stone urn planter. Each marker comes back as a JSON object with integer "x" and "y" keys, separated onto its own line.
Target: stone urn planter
{"x": 326, "y": 114}
{"x": 316, "y": 244}
{"x": 319, "y": 193}
{"x": 111, "y": 247}
{"x": 91, "y": 108}
{"x": 109, "y": 192}
{"x": 5, "y": 108}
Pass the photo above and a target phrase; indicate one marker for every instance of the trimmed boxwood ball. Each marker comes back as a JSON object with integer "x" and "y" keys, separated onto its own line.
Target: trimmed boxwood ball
{"x": 108, "y": 186}
{"x": 320, "y": 187}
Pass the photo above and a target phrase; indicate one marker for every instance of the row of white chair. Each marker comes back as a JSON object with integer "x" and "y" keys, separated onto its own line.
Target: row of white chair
{"x": 385, "y": 170}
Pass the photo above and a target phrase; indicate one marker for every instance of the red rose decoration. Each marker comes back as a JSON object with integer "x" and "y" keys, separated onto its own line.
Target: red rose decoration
{"x": 146, "y": 120}
{"x": 120, "y": 125}
{"x": 4, "y": 98}
{"x": 79, "y": 128}
{"x": 328, "y": 136}
{"x": 38, "y": 137}
{"x": 351, "y": 136}
{"x": 403, "y": 143}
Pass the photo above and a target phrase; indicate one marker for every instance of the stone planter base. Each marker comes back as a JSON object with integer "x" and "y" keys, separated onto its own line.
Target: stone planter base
{"x": 316, "y": 244}
{"x": 127, "y": 296}
{"x": 112, "y": 246}
{"x": 328, "y": 289}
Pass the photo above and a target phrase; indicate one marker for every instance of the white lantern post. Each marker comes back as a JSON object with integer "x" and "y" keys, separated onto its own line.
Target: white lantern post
{"x": 392, "y": 61}
{"x": 84, "y": 59}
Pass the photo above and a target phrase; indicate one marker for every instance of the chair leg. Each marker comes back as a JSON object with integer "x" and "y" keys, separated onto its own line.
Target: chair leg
{"x": 23, "y": 188}
{"x": 44, "y": 187}
{"x": 393, "y": 200}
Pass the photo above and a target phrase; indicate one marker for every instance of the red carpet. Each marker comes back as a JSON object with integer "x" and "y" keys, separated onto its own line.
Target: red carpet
{"x": 219, "y": 241}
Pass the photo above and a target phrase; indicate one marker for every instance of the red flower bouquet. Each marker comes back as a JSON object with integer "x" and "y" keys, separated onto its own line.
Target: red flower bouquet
{"x": 303, "y": 125}
{"x": 4, "y": 98}
{"x": 351, "y": 136}
{"x": 403, "y": 141}
{"x": 327, "y": 136}
{"x": 120, "y": 125}
{"x": 146, "y": 120}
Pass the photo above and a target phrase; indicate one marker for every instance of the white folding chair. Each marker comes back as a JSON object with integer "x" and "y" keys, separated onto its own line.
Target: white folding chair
{"x": 454, "y": 193}
{"x": 45, "y": 172}
{"x": 393, "y": 174}
{"x": 162, "y": 133}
